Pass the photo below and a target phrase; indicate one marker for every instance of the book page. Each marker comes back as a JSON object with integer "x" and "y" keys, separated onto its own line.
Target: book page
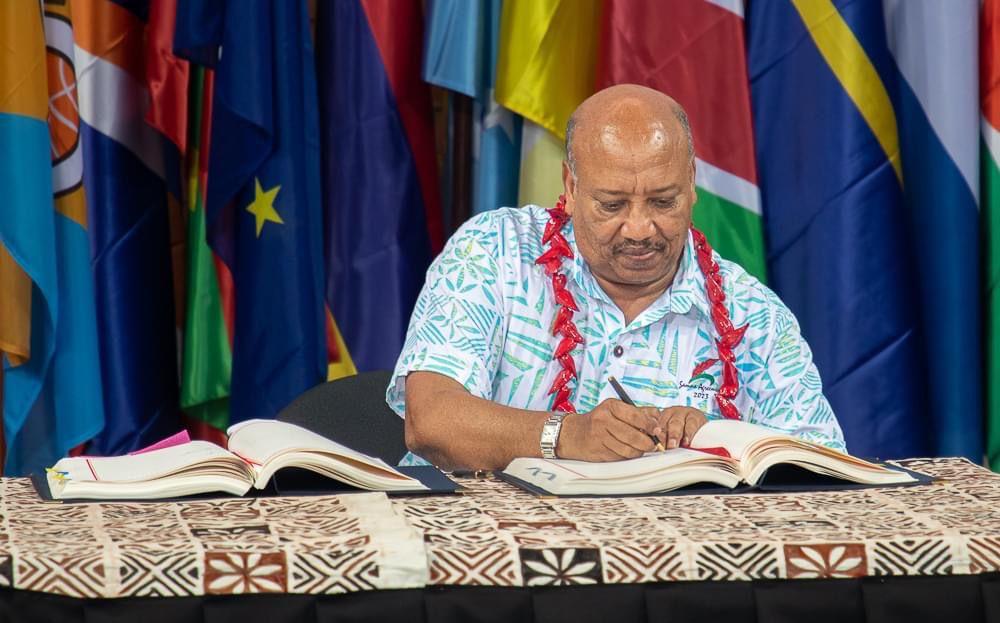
{"x": 735, "y": 436}
{"x": 661, "y": 471}
{"x": 270, "y": 445}
{"x": 141, "y": 467}
{"x": 759, "y": 448}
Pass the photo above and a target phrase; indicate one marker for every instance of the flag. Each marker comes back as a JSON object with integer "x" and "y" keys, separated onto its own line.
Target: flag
{"x": 167, "y": 78}
{"x": 937, "y": 105}
{"x": 207, "y": 360}
{"x": 262, "y": 211}
{"x": 989, "y": 93}
{"x": 545, "y": 69}
{"x": 124, "y": 171}
{"x": 380, "y": 188}
{"x": 52, "y": 394}
{"x": 698, "y": 57}
{"x": 460, "y": 54}
{"x": 180, "y": 108}
{"x": 830, "y": 176}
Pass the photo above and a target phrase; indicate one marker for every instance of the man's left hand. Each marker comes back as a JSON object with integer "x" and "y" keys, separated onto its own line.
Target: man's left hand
{"x": 679, "y": 424}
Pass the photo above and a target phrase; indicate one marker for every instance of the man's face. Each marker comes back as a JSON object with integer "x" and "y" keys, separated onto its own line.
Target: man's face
{"x": 631, "y": 206}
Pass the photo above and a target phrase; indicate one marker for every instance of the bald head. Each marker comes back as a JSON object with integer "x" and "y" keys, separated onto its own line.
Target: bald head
{"x": 627, "y": 114}
{"x": 629, "y": 182}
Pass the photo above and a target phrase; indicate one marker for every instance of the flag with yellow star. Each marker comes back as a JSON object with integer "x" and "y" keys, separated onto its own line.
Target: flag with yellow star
{"x": 262, "y": 203}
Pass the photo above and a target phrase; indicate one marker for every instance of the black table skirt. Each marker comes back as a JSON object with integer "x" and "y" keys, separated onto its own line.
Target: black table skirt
{"x": 953, "y": 599}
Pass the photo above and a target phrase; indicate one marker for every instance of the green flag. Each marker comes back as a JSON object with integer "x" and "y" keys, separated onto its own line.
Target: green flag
{"x": 208, "y": 358}
{"x": 989, "y": 93}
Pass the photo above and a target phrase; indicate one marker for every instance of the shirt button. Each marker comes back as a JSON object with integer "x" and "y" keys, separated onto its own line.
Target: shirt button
{"x": 618, "y": 351}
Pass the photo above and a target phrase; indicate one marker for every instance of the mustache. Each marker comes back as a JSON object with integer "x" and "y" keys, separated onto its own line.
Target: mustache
{"x": 637, "y": 248}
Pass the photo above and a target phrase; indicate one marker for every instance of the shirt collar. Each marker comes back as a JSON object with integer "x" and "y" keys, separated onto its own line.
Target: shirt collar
{"x": 686, "y": 292}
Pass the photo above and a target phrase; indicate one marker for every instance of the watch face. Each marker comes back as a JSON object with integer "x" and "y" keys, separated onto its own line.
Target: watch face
{"x": 550, "y": 435}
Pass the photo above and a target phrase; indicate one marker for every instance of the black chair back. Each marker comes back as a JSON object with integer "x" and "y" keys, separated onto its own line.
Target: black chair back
{"x": 352, "y": 411}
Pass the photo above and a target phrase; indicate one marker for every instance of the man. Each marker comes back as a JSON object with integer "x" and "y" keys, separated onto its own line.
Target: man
{"x": 527, "y": 313}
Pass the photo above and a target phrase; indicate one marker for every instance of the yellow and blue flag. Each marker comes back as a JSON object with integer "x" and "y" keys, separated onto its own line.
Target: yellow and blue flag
{"x": 263, "y": 213}
{"x": 545, "y": 69}
{"x": 52, "y": 397}
{"x": 867, "y": 152}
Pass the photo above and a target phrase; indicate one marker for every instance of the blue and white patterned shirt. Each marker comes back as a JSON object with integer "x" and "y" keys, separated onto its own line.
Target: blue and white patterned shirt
{"x": 484, "y": 316}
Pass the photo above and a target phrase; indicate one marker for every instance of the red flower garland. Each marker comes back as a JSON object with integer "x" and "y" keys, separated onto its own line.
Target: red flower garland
{"x": 563, "y": 325}
{"x": 729, "y": 336}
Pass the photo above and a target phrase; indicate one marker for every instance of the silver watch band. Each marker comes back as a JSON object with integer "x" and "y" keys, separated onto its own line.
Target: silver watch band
{"x": 550, "y": 435}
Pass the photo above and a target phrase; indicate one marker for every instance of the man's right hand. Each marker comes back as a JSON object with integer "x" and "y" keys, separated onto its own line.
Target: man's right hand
{"x": 611, "y": 432}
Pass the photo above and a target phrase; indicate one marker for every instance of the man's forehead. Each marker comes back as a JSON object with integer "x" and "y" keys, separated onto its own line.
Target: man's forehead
{"x": 637, "y": 137}
{"x": 636, "y": 166}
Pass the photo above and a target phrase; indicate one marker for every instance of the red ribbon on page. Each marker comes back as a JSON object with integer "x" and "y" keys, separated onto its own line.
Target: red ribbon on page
{"x": 716, "y": 451}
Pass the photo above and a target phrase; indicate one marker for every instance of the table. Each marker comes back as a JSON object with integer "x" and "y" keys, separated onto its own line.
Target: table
{"x": 496, "y": 553}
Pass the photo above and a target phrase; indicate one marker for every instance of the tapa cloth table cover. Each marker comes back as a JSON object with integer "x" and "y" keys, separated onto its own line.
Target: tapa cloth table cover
{"x": 496, "y": 535}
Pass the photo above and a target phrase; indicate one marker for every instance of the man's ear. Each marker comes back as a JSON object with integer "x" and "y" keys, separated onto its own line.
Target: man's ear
{"x": 569, "y": 187}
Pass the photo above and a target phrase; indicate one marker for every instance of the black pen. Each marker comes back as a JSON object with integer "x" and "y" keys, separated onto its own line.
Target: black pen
{"x": 624, "y": 398}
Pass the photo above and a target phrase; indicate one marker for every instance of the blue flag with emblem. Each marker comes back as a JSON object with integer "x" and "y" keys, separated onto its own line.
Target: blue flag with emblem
{"x": 263, "y": 200}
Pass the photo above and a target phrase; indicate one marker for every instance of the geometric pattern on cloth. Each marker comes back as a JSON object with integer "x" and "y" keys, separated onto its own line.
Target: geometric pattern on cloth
{"x": 985, "y": 554}
{"x": 493, "y": 534}
{"x": 146, "y": 572}
{"x": 913, "y": 557}
{"x": 948, "y": 527}
{"x": 237, "y": 573}
{"x": 826, "y": 560}
{"x": 328, "y": 544}
{"x": 657, "y": 562}
{"x": 346, "y": 571}
{"x": 476, "y": 566}
{"x": 737, "y": 561}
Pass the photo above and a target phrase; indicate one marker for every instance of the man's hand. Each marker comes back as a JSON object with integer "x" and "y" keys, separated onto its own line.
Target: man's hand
{"x": 611, "y": 432}
{"x": 679, "y": 424}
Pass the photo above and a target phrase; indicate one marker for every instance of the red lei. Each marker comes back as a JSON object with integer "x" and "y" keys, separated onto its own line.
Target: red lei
{"x": 729, "y": 336}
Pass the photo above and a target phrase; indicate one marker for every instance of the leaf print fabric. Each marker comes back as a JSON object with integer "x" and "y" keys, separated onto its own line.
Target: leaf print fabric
{"x": 484, "y": 315}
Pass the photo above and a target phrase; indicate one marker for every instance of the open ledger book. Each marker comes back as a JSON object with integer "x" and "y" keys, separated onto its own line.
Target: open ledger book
{"x": 256, "y": 450}
{"x": 724, "y": 452}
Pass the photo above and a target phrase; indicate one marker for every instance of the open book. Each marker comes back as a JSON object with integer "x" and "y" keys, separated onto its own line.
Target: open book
{"x": 256, "y": 450}
{"x": 724, "y": 452}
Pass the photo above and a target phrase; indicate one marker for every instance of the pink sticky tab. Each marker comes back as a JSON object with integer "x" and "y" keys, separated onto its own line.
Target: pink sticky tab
{"x": 173, "y": 440}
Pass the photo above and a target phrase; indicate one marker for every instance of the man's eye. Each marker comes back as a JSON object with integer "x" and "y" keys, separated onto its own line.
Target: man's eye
{"x": 665, "y": 203}
{"x": 611, "y": 206}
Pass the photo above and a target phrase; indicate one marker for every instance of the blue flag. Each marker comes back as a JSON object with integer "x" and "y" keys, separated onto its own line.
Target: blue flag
{"x": 460, "y": 53}
{"x": 52, "y": 383}
{"x": 822, "y": 81}
{"x": 123, "y": 171}
{"x": 937, "y": 107}
{"x": 379, "y": 179}
{"x": 263, "y": 198}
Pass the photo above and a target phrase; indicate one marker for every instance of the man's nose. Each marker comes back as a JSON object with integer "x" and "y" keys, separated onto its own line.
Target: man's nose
{"x": 638, "y": 224}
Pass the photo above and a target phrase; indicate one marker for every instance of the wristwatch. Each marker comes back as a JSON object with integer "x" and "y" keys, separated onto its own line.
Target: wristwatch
{"x": 550, "y": 434}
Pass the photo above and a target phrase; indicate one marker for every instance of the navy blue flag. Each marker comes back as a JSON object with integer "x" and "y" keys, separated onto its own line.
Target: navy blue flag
{"x": 383, "y": 214}
{"x": 263, "y": 211}
{"x": 831, "y": 183}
